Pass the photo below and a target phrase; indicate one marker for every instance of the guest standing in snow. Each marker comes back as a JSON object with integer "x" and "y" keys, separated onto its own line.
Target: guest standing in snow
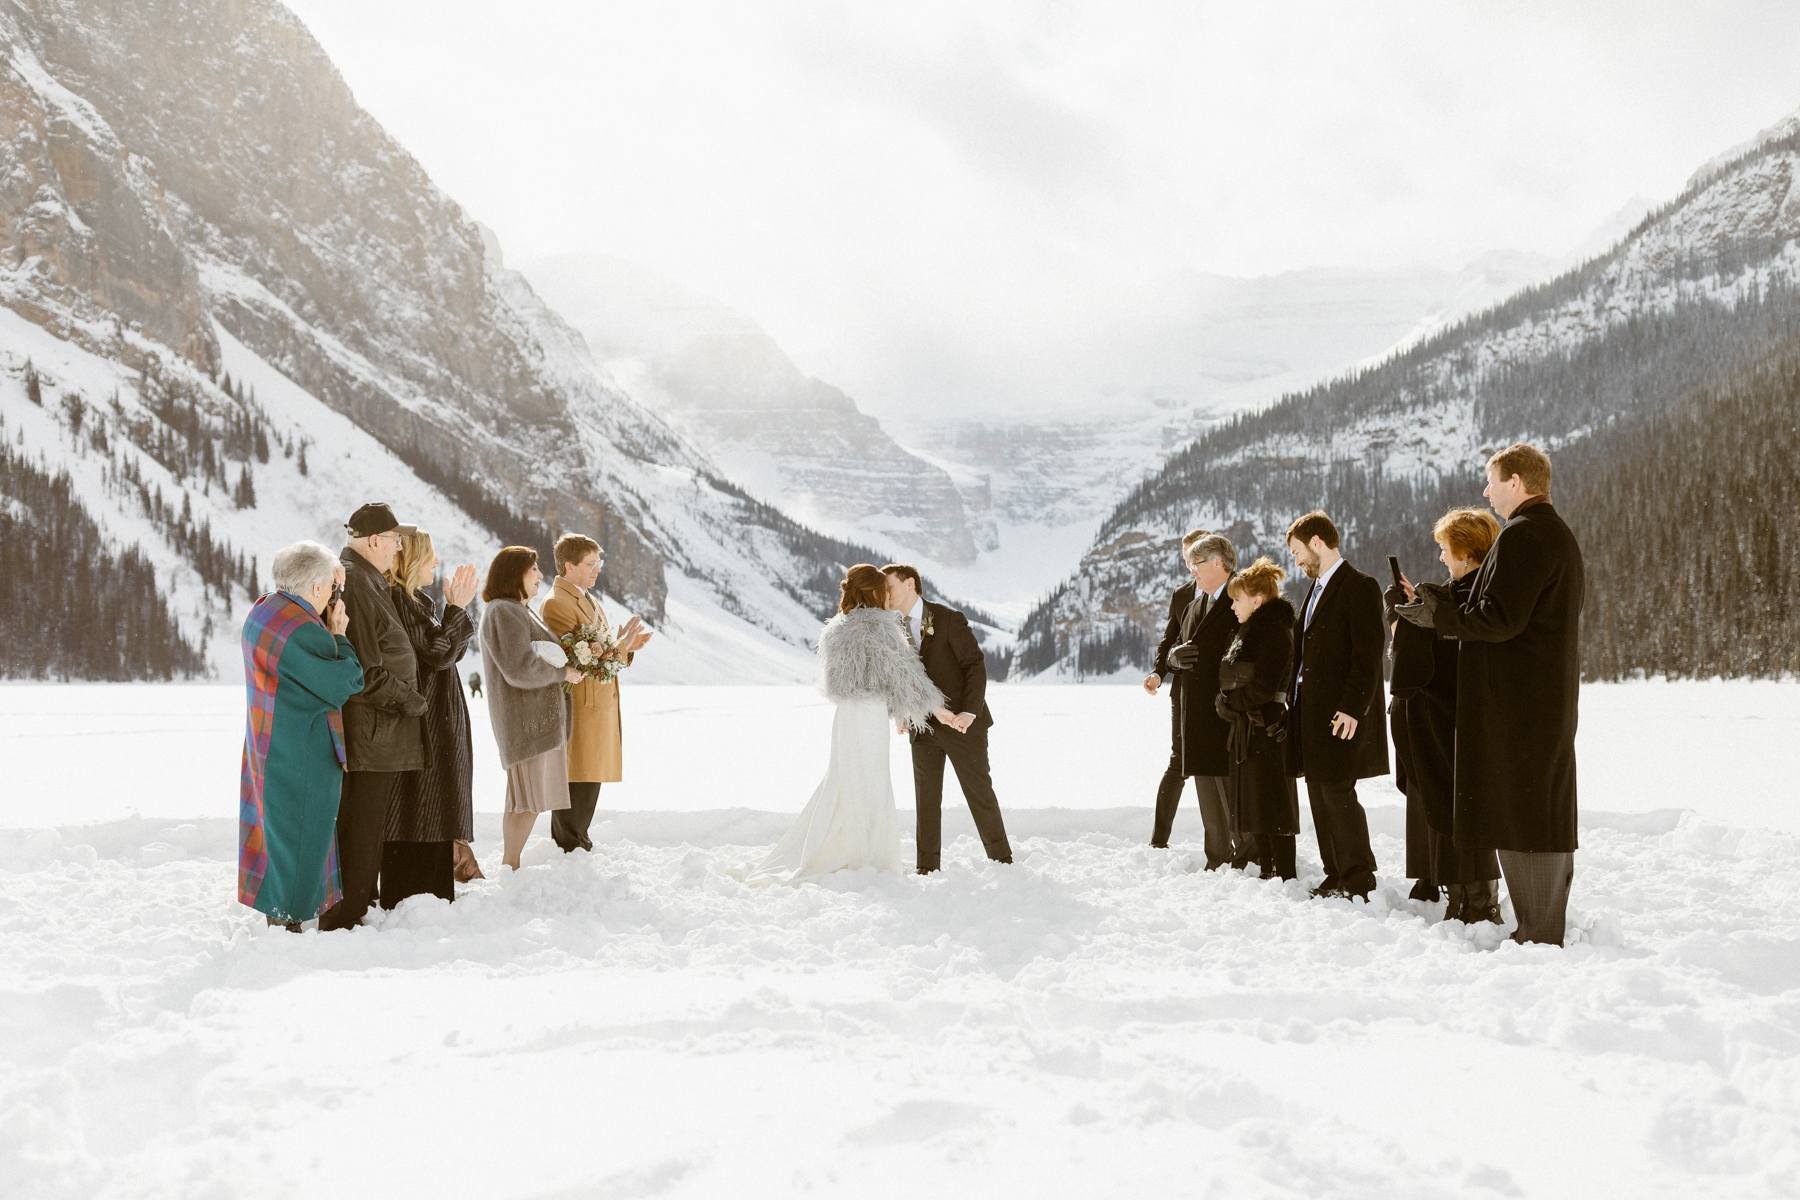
{"x": 384, "y": 729}
{"x": 1518, "y": 688}
{"x": 595, "y": 749}
{"x": 1252, "y": 699}
{"x": 1423, "y": 717}
{"x": 872, "y": 676}
{"x": 299, "y": 669}
{"x": 1206, "y": 629}
{"x": 430, "y": 828}
{"x": 527, "y": 704}
{"x": 1335, "y": 732}
{"x": 1173, "y": 782}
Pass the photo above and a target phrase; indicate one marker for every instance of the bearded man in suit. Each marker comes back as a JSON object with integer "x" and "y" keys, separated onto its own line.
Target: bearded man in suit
{"x": 954, "y": 661}
{"x": 1336, "y": 734}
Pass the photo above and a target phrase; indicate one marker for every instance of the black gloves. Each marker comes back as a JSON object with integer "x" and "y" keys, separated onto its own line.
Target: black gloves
{"x": 1184, "y": 656}
{"x": 1422, "y": 612}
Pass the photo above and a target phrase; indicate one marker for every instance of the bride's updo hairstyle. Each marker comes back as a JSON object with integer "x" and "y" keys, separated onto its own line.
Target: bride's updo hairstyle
{"x": 864, "y": 586}
{"x": 1261, "y": 578}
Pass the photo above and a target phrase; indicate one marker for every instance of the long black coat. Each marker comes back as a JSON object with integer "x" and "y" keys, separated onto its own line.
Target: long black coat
{"x": 1341, "y": 651}
{"x": 1423, "y": 718}
{"x": 383, "y": 726}
{"x": 1518, "y": 686}
{"x": 437, "y": 803}
{"x": 1263, "y": 798}
{"x": 954, "y": 662}
{"x": 1203, "y": 733}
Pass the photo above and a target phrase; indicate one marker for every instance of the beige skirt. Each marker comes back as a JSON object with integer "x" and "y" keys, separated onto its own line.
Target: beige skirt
{"x": 539, "y": 784}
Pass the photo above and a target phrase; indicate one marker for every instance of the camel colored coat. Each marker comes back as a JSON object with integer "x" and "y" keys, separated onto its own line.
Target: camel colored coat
{"x": 595, "y": 741}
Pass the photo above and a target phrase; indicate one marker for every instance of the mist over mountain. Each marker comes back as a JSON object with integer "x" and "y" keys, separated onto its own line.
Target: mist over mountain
{"x": 1604, "y": 365}
{"x": 799, "y": 442}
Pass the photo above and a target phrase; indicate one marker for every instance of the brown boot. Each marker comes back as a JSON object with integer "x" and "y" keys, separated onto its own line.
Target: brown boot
{"x": 464, "y": 865}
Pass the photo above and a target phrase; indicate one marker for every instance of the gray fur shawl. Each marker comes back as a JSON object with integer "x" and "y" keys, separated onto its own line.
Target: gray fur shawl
{"x": 864, "y": 654}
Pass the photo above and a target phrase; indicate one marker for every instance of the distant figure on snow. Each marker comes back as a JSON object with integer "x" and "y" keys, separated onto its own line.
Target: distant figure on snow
{"x": 475, "y": 684}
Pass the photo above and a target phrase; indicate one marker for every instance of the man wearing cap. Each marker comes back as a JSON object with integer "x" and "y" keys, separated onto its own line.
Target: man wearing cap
{"x": 384, "y": 736}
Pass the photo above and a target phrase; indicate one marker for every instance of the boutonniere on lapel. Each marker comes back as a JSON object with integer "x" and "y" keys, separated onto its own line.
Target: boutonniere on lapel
{"x": 925, "y": 625}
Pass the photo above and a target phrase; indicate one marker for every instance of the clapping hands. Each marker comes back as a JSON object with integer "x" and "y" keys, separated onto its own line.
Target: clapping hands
{"x": 459, "y": 589}
{"x": 633, "y": 637}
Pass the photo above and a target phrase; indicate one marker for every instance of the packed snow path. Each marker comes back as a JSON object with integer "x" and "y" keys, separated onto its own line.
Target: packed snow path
{"x": 1098, "y": 1019}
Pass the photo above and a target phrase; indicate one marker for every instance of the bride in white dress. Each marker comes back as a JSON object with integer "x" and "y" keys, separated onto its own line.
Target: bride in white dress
{"x": 876, "y": 678}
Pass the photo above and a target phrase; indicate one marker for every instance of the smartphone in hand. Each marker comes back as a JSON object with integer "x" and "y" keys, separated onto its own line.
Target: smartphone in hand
{"x": 1394, "y": 570}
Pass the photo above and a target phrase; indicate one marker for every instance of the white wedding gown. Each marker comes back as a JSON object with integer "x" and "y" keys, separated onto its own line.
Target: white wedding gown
{"x": 849, "y": 822}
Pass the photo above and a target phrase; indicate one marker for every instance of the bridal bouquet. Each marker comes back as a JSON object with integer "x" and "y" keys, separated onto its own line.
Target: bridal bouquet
{"x": 592, "y": 651}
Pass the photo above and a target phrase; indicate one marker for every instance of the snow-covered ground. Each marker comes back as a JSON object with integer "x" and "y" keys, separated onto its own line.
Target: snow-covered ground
{"x": 1098, "y": 1019}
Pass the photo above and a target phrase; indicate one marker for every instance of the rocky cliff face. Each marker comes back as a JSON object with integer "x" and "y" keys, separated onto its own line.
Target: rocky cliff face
{"x": 1701, "y": 292}
{"x": 190, "y": 195}
{"x": 730, "y": 389}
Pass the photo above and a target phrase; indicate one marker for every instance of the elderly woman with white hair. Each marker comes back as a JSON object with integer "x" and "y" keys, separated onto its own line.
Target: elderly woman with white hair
{"x": 299, "y": 668}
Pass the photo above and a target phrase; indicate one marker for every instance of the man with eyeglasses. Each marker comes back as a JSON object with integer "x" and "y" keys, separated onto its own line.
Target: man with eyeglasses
{"x": 384, "y": 736}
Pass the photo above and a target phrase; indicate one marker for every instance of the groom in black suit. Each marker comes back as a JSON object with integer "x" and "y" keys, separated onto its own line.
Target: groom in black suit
{"x": 955, "y": 664}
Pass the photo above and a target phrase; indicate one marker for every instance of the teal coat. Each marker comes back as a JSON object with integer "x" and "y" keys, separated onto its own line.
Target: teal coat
{"x": 296, "y": 679}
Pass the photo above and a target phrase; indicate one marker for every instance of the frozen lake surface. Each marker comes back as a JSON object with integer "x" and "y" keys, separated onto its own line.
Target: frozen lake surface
{"x": 1098, "y": 1019}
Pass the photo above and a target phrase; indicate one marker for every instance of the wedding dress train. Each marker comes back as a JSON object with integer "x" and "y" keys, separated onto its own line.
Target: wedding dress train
{"x": 850, "y": 820}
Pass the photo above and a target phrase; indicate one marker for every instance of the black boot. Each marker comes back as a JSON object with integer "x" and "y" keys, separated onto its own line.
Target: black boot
{"x": 1453, "y": 908}
{"x": 1481, "y": 902}
{"x": 1424, "y": 890}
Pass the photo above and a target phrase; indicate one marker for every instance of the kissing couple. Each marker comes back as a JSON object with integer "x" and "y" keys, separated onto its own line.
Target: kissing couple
{"x": 890, "y": 655}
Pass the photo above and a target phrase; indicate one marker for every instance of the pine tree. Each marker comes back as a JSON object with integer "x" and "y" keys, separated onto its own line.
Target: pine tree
{"x": 244, "y": 495}
{"x": 302, "y": 462}
{"x": 34, "y": 390}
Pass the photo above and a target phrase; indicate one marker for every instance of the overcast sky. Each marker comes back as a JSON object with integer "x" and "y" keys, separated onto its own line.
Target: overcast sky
{"x": 861, "y": 176}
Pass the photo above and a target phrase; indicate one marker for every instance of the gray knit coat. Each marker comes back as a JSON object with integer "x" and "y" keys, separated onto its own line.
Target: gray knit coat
{"x": 864, "y": 654}
{"x": 526, "y": 704}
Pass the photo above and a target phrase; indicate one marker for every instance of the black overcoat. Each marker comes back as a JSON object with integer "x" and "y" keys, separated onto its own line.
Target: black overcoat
{"x": 1341, "y": 652}
{"x": 383, "y": 726}
{"x": 1203, "y": 733}
{"x": 437, "y": 803}
{"x": 954, "y": 661}
{"x": 1263, "y": 798}
{"x": 1518, "y": 685}
{"x": 1422, "y": 716}
{"x": 1178, "y": 604}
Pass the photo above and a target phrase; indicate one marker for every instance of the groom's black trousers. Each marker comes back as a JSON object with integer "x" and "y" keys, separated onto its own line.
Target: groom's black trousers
{"x": 968, "y": 755}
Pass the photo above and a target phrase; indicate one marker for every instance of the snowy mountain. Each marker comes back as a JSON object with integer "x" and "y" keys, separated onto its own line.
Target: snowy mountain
{"x": 232, "y": 308}
{"x": 727, "y": 386}
{"x": 1696, "y": 306}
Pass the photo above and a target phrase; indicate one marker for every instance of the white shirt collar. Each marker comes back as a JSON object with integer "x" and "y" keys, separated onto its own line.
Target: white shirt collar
{"x": 1214, "y": 595}
{"x": 913, "y": 613}
{"x": 1329, "y": 571}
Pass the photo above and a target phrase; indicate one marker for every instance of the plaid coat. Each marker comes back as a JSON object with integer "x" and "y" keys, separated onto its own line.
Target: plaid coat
{"x": 296, "y": 679}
